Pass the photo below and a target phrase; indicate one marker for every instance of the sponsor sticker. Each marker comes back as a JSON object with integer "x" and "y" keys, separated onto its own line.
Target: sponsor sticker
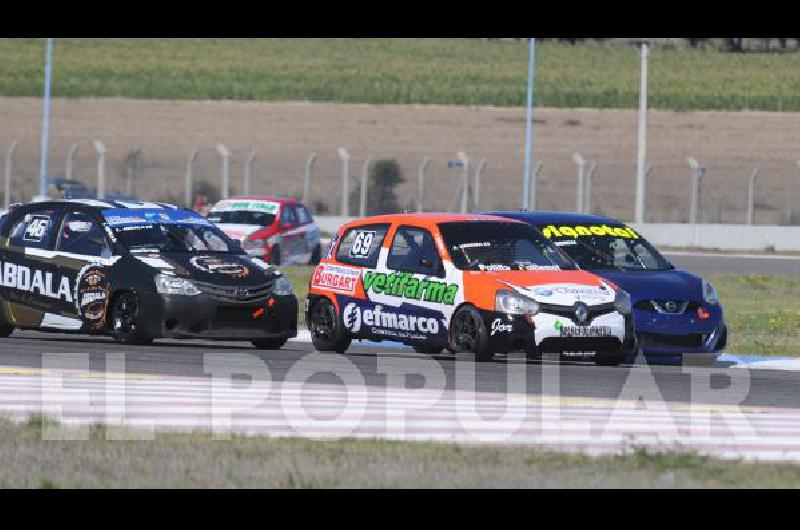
{"x": 499, "y": 327}
{"x": 215, "y": 265}
{"x": 405, "y": 285}
{"x": 551, "y": 231}
{"x": 249, "y": 206}
{"x": 582, "y": 331}
{"x": 336, "y": 278}
{"x": 390, "y": 322}
{"x": 92, "y": 296}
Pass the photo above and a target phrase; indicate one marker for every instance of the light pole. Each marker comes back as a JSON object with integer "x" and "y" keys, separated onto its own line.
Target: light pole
{"x": 9, "y": 174}
{"x": 421, "y": 182}
{"x": 187, "y": 197}
{"x": 225, "y": 154}
{"x": 534, "y": 178}
{"x": 307, "y": 183}
{"x": 697, "y": 176}
{"x": 48, "y": 71}
{"x": 362, "y": 206}
{"x": 642, "y": 140}
{"x": 101, "y": 168}
{"x": 345, "y": 157}
{"x": 526, "y": 177}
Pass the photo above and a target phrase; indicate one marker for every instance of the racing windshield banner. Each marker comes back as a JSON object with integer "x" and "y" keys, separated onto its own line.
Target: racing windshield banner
{"x": 551, "y": 231}
{"x": 247, "y": 206}
{"x": 139, "y": 217}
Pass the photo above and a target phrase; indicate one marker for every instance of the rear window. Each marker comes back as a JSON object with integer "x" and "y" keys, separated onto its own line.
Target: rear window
{"x": 35, "y": 229}
{"x": 361, "y": 245}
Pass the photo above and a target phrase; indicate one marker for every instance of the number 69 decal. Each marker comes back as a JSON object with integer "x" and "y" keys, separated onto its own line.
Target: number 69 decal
{"x": 362, "y": 244}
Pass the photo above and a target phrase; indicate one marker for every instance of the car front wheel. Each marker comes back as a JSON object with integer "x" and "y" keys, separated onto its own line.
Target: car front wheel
{"x": 468, "y": 337}
{"x": 327, "y": 329}
{"x": 126, "y": 320}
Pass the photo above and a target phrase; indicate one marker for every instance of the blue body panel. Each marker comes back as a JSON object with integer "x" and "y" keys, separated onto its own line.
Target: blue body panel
{"x": 646, "y": 285}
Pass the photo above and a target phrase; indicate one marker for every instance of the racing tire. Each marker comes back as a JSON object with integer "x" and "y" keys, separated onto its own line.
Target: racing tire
{"x": 269, "y": 344}
{"x": 126, "y": 324}
{"x": 275, "y": 256}
{"x": 468, "y": 337}
{"x": 316, "y": 255}
{"x": 428, "y": 350}
{"x": 327, "y": 328}
{"x": 610, "y": 358}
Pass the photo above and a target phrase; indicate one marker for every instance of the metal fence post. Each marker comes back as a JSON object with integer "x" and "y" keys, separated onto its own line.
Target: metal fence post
{"x": 697, "y": 176}
{"x": 464, "y": 181}
{"x": 101, "y": 168}
{"x": 345, "y": 157}
{"x": 647, "y": 172}
{"x": 532, "y": 187}
{"x": 476, "y": 193}
{"x": 132, "y": 161}
{"x": 362, "y": 206}
{"x": 248, "y": 170}
{"x": 187, "y": 197}
{"x": 421, "y": 182}
{"x": 307, "y": 183}
{"x": 751, "y": 197}
{"x": 587, "y": 198}
{"x": 9, "y": 173}
{"x": 224, "y": 177}
{"x": 73, "y": 149}
{"x": 581, "y": 163}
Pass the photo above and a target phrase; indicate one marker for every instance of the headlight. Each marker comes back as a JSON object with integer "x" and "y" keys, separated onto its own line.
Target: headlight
{"x": 709, "y": 294}
{"x": 166, "y": 284}
{"x": 512, "y": 303}
{"x": 282, "y": 287}
{"x": 255, "y": 247}
{"x": 622, "y": 302}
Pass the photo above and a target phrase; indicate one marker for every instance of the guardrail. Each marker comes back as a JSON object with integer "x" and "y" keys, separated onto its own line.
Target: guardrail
{"x": 702, "y": 236}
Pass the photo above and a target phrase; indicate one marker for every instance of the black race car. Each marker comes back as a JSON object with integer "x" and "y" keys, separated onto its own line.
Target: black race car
{"x": 136, "y": 271}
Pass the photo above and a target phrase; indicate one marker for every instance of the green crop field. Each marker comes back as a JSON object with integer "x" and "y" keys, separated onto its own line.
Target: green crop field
{"x": 441, "y": 71}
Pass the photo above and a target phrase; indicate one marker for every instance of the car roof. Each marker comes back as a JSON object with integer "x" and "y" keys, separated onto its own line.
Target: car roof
{"x": 101, "y": 204}
{"x": 558, "y": 218}
{"x": 428, "y": 220}
{"x": 265, "y": 198}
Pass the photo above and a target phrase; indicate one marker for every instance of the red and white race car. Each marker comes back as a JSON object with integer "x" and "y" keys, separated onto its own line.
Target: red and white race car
{"x": 280, "y": 231}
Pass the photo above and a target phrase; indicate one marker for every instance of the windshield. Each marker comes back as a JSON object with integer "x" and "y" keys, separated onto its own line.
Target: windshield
{"x": 497, "y": 245}
{"x": 606, "y": 247}
{"x": 167, "y": 231}
{"x": 242, "y": 217}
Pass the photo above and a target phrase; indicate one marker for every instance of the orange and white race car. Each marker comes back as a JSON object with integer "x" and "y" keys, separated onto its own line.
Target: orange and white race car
{"x": 473, "y": 284}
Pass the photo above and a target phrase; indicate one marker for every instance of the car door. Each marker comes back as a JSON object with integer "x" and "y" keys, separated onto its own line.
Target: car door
{"x": 83, "y": 253}
{"x": 291, "y": 236}
{"x": 32, "y": 287}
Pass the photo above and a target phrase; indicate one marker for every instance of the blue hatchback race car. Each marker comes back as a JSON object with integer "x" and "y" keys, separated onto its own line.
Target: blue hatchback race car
{"x": 677, "y": 315}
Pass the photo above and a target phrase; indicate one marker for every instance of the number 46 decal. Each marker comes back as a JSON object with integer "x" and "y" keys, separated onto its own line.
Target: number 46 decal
{"x": 36, "y": 228}
{"x": 362, "y": 244}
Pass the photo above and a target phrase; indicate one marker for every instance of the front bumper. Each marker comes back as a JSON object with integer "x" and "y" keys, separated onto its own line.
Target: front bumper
{"x": 510, "y": 333}
{"x": 677, "y": 334}
{"x": 204, "y": 317}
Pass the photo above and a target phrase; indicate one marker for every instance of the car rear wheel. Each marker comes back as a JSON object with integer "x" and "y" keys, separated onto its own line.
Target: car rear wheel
{"x": 316, "y": 255}
{"x": 269, "y": 344}
{"x": 126, "y": 320}
{"x": 275, "y": 256}
{"x": 327, "y": 329}
{"x": 468, "y": 337}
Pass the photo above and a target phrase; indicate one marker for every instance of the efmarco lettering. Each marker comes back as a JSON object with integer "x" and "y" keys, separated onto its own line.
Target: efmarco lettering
{"x": 551, "y": 231}
{"x": 24, "y": 278}
{"x": 405, "y": 285}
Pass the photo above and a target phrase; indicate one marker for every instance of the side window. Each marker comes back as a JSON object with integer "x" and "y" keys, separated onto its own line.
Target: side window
{"x": 80, "y": 234}
{"x": 303, "y": 217}
{"x": 288, "y": 215}
{"x": 35, "y": 229}
{"x": 413, "y": 250}
{"x": 361, "y": 245}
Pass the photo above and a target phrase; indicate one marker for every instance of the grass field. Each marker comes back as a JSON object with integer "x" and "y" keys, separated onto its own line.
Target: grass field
{"x": 762, "y": 312}
{"x": 198, "y": 461}
{"x": 442, "y": 71}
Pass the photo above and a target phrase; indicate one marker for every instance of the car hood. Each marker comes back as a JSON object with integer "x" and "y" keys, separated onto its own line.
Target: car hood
{"x": 549, "y": 287}
{"x": 646, "y": 285}
{"x": 219, "y": 269}
{"x": 239, "y": 232}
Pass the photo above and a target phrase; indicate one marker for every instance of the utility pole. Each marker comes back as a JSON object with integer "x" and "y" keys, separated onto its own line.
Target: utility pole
{"x": 642, "y": 140}
{"x": 526, "y": 177}
{"x": 48, "y": 76}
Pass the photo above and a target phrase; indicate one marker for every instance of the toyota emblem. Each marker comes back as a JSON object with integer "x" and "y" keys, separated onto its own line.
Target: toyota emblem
{"x": 241, "y": 292}
{"x": 581, "y": 313}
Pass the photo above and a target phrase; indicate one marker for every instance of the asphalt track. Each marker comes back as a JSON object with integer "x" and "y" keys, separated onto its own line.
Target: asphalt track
{"x": 396, "y": 394}
{"x": 708, "y": 263}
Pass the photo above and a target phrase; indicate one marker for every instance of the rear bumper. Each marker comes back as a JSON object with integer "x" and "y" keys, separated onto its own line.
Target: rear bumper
{"x": 202, "y": 317}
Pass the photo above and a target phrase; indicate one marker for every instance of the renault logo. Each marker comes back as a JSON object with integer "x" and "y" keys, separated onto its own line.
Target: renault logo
{"x": 581, "y": 313}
